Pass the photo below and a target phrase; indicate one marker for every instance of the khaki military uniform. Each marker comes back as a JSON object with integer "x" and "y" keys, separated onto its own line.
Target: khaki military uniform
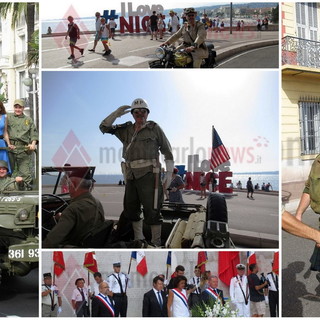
{"x": 49, "y": 302}
{"x": 10, "y": 184}
{"x": 22, "y": 132}
{"x": 141, "y": 153}
{"x": 312, "y": 186}
{"x": 76, "y": 221}
{"x": 191, "y": 35}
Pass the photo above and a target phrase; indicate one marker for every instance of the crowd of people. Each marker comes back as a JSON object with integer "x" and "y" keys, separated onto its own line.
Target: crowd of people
{"x": 156, "y": 27}
{"x": 177, "y": 297}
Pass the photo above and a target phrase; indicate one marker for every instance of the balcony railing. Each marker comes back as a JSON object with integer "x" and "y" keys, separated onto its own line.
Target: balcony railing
{"x": 300, "y": 52}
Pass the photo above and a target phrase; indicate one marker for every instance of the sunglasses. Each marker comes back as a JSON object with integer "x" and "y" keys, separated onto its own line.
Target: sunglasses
{"x": 136, "y": 111}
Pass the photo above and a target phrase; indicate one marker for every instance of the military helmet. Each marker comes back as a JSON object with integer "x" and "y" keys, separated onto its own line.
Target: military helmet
{"x": 4, "y": 164}
{"x": 189, "y": 10}
{"x": 139, "y": 104}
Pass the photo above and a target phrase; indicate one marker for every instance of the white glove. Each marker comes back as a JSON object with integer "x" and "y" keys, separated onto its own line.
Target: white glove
{"x": 174, "y": 189}
{"x": 59, "y": 310}
{"x": 52, "y": 288}
{"x": 122, "y": 111}
{"x": 110, "y": 119}
{"x": 266, "y": 298}
{"x": 168, "y": 174}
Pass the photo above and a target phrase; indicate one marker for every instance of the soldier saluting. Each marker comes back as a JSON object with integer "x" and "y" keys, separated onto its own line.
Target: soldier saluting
{"x": 142, "y": 142}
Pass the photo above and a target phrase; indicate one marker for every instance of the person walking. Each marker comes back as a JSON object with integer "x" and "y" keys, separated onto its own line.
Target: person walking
{"x": 250, "y": 189}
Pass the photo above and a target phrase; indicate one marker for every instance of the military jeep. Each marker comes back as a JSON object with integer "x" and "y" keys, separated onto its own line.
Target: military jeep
{"x": 19, "y": 242}
{"x": 184, "y": 225}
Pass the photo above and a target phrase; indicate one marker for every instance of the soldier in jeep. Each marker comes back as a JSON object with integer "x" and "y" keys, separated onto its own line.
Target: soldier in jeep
{"x": 7, "y": 183}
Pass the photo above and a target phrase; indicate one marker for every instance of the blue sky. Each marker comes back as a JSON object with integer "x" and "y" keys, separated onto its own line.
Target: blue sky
{"x": 241, "y": 104}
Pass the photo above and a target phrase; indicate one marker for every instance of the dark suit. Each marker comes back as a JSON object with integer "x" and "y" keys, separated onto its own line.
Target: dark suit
{"x": 99, "y": 309}
{"x": 151, "y": 306}
{"x": 207, "y": 297}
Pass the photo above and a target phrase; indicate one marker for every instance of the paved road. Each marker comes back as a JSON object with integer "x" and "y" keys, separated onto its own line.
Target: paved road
{"x": 259, "y": 215}
{"x": 300, "y": 288}
{"x": 267, "y": 57}
{"x": 19, "y": 296}
{"x": 132, "y": 51}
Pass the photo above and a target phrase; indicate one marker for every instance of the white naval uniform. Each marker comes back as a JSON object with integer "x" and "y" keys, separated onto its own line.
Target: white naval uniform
{"x": 114, "y": 284}
{"x": 195, "y": 281}
{"x": 236, "y": 295}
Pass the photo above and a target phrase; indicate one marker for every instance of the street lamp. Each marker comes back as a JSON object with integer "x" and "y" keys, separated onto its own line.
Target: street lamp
{"x": 31, "y": 84}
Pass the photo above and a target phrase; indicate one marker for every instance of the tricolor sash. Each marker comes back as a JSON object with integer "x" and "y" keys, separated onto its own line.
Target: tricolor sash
{"x": 181, "y": 296}
{"x": 213, "y": 293}
{"x": 106, "y": 303}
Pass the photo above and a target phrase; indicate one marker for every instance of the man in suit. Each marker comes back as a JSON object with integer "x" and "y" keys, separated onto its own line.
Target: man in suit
{"x": 212, "y": 293}
{"x": 155, "y": 300}
{"x": 102, "y": 304}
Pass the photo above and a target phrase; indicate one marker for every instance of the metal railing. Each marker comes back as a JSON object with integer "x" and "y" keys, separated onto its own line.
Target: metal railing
{"x": 300, "y": 52}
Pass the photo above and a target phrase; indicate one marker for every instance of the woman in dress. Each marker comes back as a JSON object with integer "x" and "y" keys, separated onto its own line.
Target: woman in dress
{"x": 175, "y": 187}
{"x": 178, "y": 298}
{"x": 4, "y": 137}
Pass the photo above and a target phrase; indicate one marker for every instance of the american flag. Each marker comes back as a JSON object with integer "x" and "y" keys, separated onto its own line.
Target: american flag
{"x": 219, "y": 153}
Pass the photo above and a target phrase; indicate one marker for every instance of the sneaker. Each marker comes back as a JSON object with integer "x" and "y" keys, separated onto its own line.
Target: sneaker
{"x": 81, "y": 51}
{"x": 71, "y": 57}
{"x": 92, "y": 50}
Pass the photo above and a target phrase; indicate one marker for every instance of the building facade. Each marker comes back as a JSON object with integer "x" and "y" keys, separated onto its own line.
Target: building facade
{"x": 300, "y": 94}
{"x": 13, "y": 55}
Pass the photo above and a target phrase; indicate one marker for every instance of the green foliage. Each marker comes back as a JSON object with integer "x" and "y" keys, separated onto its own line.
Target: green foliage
{"x": 33, "y": 54}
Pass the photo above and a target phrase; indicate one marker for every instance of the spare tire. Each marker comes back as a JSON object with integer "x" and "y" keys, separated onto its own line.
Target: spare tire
{"x": 217, "y": 208}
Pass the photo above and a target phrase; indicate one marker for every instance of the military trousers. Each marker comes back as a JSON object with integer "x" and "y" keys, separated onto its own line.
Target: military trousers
{"x": 21, "y": 165}
{"x": 140, "y": 192}
{"x": 47, "y": 312}
{"x": 120, "y": 305}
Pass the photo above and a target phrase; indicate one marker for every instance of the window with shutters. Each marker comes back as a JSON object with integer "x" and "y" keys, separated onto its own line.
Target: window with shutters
{"x": 309, "y": 109}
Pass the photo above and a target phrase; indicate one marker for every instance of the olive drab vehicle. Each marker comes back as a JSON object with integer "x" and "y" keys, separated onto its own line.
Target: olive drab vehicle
{"x": 19, "y": 242}
{"x": 184, "y": 225}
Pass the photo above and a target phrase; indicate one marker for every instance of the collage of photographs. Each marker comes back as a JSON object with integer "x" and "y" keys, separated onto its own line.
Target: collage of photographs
{"x": 129, "y": 191}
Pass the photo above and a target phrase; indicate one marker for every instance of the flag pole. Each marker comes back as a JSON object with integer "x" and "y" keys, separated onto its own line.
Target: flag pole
{"x": 53, "y": 273}
{"x": 129, "y": 269}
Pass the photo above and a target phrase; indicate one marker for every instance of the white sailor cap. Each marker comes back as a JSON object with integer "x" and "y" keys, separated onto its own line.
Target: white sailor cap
{"x": 240, "y": 266}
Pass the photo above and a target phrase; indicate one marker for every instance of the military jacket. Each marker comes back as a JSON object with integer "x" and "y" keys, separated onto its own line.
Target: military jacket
{"x": 190, "y": 35}
{"x": 76, "y": 221}
{"x": 145, "y": 145}
{"x": 312, "y": 186}
{"x": 22, "y": 129}
{"x": 9, "y": 184}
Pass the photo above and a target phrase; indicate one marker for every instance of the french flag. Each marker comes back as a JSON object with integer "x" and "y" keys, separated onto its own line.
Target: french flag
{"x": 251, "y": 258}
{"x": 140, "y": 257}
{"x": 172, "y": 263}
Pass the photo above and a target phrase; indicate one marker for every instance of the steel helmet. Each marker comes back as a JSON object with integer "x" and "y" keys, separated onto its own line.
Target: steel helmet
{"x": 139, "y": 104}
{"x": 4, "y": 164}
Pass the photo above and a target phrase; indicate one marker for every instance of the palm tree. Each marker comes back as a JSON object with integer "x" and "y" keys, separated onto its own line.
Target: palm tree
{"x": 18, "y": 10}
